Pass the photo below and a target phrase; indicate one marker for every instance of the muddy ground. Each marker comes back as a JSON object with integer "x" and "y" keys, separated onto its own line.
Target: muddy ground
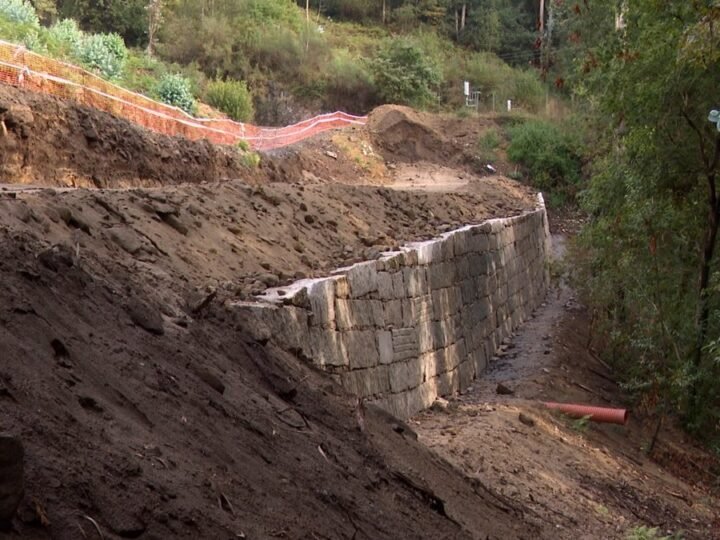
{"x": 146, "y": 412}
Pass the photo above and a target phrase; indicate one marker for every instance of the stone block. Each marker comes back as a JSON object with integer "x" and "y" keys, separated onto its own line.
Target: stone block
{"x": 448, "y": 383}
{"x": 398, "y": 284}
{"x": 367, "y": 382}
{"x": 321, "y": 295}
{"x": 400, "y": 377}
{"x": 429, "y": 252}
{"x": 342, "y": 287}
{"x": 466, "y": 374}
{"x": 393, "y": 313}
{"x": 354, "y": 314}
{"x": 327, "y": 348}
{"x": 405, "y": 344}
{"x": 385, "y": 346}
{"x": 417, "y": 310}
{"x": 415, "y": 281}
{"x": 385, "y": 286}
{"x": 361, "y": 348}
{"x": 441, "y": 275}
{"x": 362, "y": 279}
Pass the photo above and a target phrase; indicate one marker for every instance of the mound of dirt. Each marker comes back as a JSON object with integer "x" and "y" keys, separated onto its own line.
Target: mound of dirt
{"x": 52, "y": 142}
{"x": 405, "y": 135}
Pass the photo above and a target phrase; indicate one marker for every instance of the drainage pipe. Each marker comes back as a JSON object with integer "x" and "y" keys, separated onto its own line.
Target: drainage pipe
{"x": 596, "y": 414}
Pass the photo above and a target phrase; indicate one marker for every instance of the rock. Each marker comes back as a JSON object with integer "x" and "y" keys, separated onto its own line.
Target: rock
{"x": 11, "y": 476}
{"x": 146, "y": 317}
{"x": 309, "y": 219}
{"x": 525, "y": 419}
{"x": 200, "y": 301}
{"x": 439, "y": 405}
{"x": 269, "y": 280}
{"x": 87, "y": 402}
{"x": 175, "y": 223}
{"x": 126, "y": 239}
{"x": 503, "y": 390}
{"x": 209, "y": 378}
{"x": 303, "y": 207}
{"x": 57, "y": 258}
{"x": 331, "y": 154}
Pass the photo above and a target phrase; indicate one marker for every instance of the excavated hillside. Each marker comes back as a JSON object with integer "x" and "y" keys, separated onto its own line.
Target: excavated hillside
{"x": 144, "y": 409}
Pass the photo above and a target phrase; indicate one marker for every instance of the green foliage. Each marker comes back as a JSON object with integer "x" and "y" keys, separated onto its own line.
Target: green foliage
{"x": 646, "y": 256}
{"x": 231, "y": 97}
{"x": 67, "y": 35}
{"x": 487, "y": 144}
{"x": 404, "y": 75}
{"x": 550, "y": 156}
{"x": 350, "y": 84}
{"x": 105, "y": 53}
{"x": 250, "y": 159}
{"x": 175, "y": 90}
{"x": 19, "y": 11}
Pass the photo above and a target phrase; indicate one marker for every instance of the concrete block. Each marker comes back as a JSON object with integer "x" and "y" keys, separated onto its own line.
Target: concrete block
{"x": 362, "y": 279}
{"x": 361, "y": 348}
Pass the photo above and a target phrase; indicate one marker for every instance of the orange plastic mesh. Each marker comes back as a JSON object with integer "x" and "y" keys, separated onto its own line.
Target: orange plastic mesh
{"x": 26, "y": 69}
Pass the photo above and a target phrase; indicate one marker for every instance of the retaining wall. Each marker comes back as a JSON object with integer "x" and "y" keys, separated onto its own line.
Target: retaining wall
{"x": 415, "y": 324}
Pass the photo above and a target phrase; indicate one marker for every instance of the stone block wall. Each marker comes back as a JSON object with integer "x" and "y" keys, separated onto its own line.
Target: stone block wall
{"x": 418, "y": 323}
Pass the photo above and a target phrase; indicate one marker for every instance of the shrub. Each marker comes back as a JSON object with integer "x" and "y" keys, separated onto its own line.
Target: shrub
{"x": 551, "y": 157}
{"x": 350, "y": 85}
{"x": 19, "y": 11}
{"x": 67, "y": 35}
{"x": 231, "y": 97}
{"x": 175, "y": 90}
{"x": 404, "y": 75}
{"x": 105, "y": 53}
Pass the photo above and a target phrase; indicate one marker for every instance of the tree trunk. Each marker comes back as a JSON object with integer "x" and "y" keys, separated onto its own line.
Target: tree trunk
{"x": 462, "y": 16}
{"x": 542, "y": 16}
{"x": 703, "y": 309}
{"x": 457, "y": 25}
{"x": 384, "y": 12}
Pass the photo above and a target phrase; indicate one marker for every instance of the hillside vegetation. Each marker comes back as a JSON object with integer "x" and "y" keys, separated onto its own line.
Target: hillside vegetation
{"x": 274, "y": 61}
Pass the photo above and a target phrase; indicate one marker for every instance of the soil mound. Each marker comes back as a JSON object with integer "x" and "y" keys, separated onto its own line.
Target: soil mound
{"x": 406, "y": 135}
{"x": 52, "y": 142}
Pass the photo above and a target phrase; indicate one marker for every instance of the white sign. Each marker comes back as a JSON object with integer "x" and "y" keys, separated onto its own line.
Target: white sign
{"x": 466, "y": 87}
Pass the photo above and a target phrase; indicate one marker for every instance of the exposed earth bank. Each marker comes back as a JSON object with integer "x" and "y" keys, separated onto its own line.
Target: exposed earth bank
{"x": 145, "y": 411}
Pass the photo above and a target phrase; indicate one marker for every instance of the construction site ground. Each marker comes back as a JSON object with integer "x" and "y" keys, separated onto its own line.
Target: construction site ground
{"x": 146, "y": 412}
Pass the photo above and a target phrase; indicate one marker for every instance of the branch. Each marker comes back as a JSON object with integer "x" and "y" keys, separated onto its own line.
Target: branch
{"x": 701, "y": 140}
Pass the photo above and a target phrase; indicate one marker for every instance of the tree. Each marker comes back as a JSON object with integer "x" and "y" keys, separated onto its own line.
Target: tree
{"x": 652, "y": 265}
{"x": 155, "y": 18}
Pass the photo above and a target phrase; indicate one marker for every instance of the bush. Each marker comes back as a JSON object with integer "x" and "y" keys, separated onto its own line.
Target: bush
{"x": 350, "y": 85}
{"x": 231, "y": 97}
{"x": 551, "y": 157}
{"x": 105, "y": 53}
{"x": 175, "y": 90}
{"x": 66, "y": 35}
{"x": 19, "y": 11}
{"x": 404, "y": 75}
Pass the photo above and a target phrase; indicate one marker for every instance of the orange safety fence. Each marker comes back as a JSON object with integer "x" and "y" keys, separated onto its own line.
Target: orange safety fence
{"x": 26, "y": 69}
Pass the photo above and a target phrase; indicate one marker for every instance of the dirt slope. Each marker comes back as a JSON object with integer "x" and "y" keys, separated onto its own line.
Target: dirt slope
{"x": 193, "y": 433}
{"x": 144, "y": 410}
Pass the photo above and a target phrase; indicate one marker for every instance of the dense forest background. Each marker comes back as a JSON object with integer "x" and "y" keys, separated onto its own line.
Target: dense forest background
{"x": 637, "y": 148}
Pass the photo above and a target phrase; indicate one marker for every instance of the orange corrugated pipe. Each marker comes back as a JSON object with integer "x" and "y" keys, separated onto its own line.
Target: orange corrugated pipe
{"x": 596, "y": 414}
